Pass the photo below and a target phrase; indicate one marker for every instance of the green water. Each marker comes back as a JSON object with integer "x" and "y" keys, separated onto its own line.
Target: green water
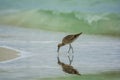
{"x": 90, "y": 17}
{"x": 64, "y": 5}
{"x": 88, "y": 23}
{"x": 102, "y": 76}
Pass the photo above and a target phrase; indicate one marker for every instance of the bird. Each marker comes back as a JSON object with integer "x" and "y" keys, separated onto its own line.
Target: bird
{"x": 68, "y": 68}
{"x": 68, "y": 40}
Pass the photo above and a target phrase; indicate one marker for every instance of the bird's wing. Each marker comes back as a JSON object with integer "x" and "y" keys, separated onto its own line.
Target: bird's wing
{"x": 68, "y": 38}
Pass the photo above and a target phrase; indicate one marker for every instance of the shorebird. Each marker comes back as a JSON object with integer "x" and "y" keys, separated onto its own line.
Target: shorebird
{"x": 68, "y": 40}
{"x": 68, "y": 68}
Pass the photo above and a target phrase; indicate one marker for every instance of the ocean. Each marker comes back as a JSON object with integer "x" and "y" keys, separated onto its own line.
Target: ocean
{"x": 91, "y": 17}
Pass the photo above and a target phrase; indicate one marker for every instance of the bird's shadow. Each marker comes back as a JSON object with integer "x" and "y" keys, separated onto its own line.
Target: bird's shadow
{"x": 67, "y": 68}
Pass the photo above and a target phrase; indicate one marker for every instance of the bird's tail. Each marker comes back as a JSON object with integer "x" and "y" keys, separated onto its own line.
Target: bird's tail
{"x": 78, "y": 34}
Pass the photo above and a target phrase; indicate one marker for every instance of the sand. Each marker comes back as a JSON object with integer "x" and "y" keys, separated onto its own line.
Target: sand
{"x": 8, "y": 54}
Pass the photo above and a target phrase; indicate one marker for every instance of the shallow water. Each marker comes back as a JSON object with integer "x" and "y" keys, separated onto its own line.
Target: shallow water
{"x": 93, "y": 54}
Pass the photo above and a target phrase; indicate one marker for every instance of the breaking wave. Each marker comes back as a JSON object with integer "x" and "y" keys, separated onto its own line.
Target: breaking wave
{"x": 89, "y": 23}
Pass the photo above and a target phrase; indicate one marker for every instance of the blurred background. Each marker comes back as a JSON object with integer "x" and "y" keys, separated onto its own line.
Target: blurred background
{"x": 90, "y": 17}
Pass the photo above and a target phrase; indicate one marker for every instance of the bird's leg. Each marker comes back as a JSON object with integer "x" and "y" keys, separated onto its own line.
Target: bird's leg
{"x": 58, "y": 54}
{"x": 58, "y": 60}
{"x": 68, "y": 54}
{"x": 70, "y": 60}
{"x": 70, "y": 57}
{"x": 70, "y": 47}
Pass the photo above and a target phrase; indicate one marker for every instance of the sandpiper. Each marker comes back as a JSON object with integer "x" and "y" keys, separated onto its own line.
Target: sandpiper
{"x": 68, "y": 40}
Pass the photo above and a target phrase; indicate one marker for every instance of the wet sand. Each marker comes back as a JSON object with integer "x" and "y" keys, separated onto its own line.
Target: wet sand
{"x": 8, "y": 54}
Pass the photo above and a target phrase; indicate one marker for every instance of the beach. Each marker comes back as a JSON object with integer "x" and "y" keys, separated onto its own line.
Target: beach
{"x": 93, "y": 54}
{"x": 7, "y": 54}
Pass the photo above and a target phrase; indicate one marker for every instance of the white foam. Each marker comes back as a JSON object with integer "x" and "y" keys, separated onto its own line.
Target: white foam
{"x": 95, "y": 18}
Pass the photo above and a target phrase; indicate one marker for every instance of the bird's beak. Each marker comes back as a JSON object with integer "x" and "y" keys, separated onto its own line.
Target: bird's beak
{"x": 58, "y": 59}
{"x": 58, "y": 49}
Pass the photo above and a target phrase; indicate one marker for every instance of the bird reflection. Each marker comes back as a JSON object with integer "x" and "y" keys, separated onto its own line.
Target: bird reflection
{"x": 67, "y": 67}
